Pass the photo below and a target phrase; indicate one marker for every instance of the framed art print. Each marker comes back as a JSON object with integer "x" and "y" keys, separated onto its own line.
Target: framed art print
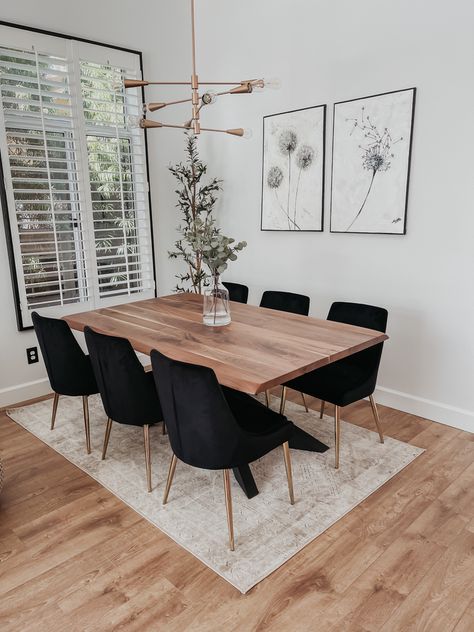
{"x": 372, "y": 138}
{"x": 293, "y": 170}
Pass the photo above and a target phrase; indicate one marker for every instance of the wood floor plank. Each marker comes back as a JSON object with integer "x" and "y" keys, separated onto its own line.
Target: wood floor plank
{"x": 73, "y": 557}
{"x": 435, "y": 603}
{"x": 466, "y": 622}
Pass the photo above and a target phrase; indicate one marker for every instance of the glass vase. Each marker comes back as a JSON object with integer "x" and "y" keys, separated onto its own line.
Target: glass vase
{"x": 216, "y": 307}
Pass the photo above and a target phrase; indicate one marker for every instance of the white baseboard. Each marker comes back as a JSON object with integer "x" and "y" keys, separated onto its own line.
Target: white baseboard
{"x": 435, "y": 411}
{"x": 22, "y": 392}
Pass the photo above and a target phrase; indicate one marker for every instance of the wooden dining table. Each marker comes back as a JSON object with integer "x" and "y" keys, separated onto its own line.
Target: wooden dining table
{"x": 260, "y": 349}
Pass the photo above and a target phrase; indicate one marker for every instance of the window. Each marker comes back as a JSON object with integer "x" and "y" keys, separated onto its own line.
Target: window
{"x": 75, "y": 174}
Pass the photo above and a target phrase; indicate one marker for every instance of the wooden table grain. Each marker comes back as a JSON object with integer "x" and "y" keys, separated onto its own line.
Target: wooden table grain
{"x": 260, "y": 349}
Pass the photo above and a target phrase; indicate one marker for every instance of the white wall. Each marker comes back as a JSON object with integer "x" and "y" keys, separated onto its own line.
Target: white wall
{"x": 323, "y": 52}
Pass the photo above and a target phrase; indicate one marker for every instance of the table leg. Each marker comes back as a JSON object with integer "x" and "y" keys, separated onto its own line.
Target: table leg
{"x": 243, "y": 476}
{"x": 302, "y": 440}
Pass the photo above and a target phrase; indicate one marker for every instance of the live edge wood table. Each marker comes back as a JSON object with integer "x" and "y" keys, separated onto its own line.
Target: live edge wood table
{"x": 260, "y": 349}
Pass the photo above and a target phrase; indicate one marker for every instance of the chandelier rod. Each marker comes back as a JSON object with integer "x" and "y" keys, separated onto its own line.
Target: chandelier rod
{"x": 193, "y": 30}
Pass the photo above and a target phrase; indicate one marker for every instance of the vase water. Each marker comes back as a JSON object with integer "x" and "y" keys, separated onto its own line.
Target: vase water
{"x": 216, "y": 307}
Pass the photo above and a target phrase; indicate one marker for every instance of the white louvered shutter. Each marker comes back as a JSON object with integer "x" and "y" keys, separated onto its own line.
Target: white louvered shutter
{"x": 41, "y": 139}
{"x": 75, "y": 175}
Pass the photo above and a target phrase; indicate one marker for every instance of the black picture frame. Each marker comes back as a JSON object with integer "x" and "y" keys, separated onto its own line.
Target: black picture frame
{"x": 410, "y": 151}
{"x": 3, "y": 194}
{"x": 323, "y": 170}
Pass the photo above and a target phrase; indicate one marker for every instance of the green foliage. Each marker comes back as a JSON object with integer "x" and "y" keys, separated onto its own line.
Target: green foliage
{"x": 219, "y": 251}
{"x": 201, "y": 241}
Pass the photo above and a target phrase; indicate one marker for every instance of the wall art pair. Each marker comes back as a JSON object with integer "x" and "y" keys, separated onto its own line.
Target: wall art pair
{"x": 371, "y": 151}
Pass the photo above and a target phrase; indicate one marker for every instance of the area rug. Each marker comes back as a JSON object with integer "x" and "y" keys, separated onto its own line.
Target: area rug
{"x": 268, "y": 530}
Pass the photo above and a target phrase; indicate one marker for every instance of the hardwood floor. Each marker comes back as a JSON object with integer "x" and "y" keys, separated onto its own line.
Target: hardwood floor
{"x": 73, "y": 557}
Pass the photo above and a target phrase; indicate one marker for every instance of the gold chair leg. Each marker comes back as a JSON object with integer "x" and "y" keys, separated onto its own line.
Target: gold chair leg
{"x": 228, "y": 506}
{"x": 267, "y": 399}
{"x": 376, "y": 417}
{"x": 283, "y": 401}
{"x": 169, "y": 480}
{"x": 289, "y": 473}
{"x": 146, "y": 440}
{"x": 337, "y": 433}
{"x": 321, "y": 411}
{"x": 163, "y": 428}
{"x": 85, "y": 406}
{"x": 304, "y": 402}
{"x": 55, "y": 410}
{"x": 108, "y": 429}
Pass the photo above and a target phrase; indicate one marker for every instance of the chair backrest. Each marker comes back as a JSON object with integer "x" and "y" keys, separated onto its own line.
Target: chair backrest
{"x": 237, "y": 292}
{"x": 127, "y": 393}
{"x": 68, "y": 367}
{"x": 201, "y": 428}
{"x": 362, "y": 315}
{"x": 286, "y": 302}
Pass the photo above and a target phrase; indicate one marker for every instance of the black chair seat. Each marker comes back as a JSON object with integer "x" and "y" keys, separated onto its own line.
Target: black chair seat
{"x": 339, "y": 383}
{"x": 258, "y": 421}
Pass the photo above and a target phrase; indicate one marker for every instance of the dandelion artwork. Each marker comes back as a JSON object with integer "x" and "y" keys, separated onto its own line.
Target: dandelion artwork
{"x": 371, "y": 162}
{"x": 293, "y": 170}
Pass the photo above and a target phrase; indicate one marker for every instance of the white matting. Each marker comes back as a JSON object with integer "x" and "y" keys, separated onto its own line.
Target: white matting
{"x": 268, "y": 530}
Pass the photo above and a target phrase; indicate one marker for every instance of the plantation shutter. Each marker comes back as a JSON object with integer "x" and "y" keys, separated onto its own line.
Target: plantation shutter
{"x": 118, "y": 181}
{"x": 44, "y": 173}
{"x": 74, "y": 173}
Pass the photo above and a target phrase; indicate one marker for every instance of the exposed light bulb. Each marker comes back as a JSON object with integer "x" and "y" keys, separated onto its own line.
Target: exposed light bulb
{"x": 209, "y": 97}
{"x": 273, "y": 83}
{"x": 247, "y": 133}
{"x": 133, "y": 121}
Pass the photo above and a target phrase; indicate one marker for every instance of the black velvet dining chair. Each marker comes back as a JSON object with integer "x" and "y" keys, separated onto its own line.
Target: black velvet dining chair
{"x": 128, "y": 392}
{"x": 69, "y": 368}
{"x": 286, "y": 302}
{"x": 351, "y": 379}
{"x": 215, "y": 428}
{"x": 237, "y": 292}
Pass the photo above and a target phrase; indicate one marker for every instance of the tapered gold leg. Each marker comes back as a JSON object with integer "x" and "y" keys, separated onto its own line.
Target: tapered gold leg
{"x": 146, "y": 441}
{"x": 228, "y": 506}
{"x": 321, "y": 411}
{"x": 169, "y": 480}
{"x": 337, "y": 432}
{"x": 55, "y": 410}
{"x": 163, "y": 428}
{"x": 289, "y": 473}
{"x": 267, "y": 399}
{"x": 376, "y": 417}
{"x": 304, "y": 402}
{"x": 283, "y": 401}
{"x": 85, "y": 406}
{"x": 108, "y": 428}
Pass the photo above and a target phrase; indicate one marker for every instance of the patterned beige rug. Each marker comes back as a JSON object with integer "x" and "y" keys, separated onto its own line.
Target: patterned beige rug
{"x": 268, "y": 530}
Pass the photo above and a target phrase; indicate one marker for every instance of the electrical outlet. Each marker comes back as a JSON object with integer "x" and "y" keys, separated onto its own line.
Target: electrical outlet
{"x": 32, "y": 355}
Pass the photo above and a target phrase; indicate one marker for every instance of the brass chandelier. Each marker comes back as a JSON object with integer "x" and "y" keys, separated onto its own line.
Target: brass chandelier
{"x": 197, "y": 100}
